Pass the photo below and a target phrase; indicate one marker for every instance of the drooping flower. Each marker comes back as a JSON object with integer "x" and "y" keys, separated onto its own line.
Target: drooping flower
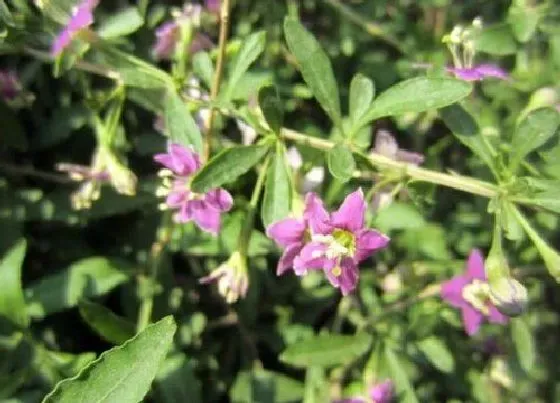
{"x": 204, "y": 209}
{"x": 382, "y": 392}
{"x": 335, "y": 243}
{"x": 82, "y": 17}
{"x": 470, "y": 292}
{"x": 231, "y": 277}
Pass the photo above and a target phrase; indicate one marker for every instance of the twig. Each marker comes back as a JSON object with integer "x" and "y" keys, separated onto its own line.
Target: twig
{"x": 224, "y": 27}
{"x": 30, "y": 171}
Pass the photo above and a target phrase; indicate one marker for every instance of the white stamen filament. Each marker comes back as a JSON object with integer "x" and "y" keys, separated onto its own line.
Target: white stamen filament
{"x": 477, "y": 294}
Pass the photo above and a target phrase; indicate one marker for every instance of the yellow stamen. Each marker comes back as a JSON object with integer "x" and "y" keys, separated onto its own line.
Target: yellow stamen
{"x": 336, "y": 271}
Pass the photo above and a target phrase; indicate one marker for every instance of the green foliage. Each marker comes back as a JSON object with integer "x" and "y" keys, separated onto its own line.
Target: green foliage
{"x": 123, "y": 374}
{"x": 272, "y": 108}
{"x": 12, "y": 302}
{"x": 341, "y": 162}
{"x": 179, "y": 123}
{"x": 109, "y": 326}
{"x": 277, "y": 198}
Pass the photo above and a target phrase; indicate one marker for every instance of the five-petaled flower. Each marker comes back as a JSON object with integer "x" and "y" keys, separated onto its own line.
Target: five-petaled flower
{"x": 471, "y": 293}
{"x": 204, "y": 209}
{"x": 82, "y": 17}
{"x": 335, "y": 243}
{"x": 382, "y": 392}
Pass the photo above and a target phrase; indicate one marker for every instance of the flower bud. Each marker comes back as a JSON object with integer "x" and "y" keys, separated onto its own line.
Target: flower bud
{"x": 509, "y": 296}
{"x": 231, "y": 277}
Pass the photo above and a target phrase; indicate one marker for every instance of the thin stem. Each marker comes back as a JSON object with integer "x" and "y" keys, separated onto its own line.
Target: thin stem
{"x": 79, "y": 64}
{"x": 370, "y": 27}
{"x": 156, "y": 253}
{"x": 30, "y": 171}
{"x": 224, "y": 27}
{"x": 458, "y": 182}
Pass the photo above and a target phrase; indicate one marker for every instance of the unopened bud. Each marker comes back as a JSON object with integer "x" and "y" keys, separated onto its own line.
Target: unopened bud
{"x": 509, "y": 296}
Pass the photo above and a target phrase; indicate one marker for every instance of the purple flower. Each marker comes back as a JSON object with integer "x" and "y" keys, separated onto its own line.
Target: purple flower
{"x": 231, "y": 277}
{"x": 479, "y": 72}
{"x": 335, "y": 243}
{"x": 82, "y": 17}
{"x": 212, "y": 6}
{"x": 379, "y": 393}
{"x": 204, "y": 209}
{"x": 10, "y": 86}
{"x": 471, "y": 293}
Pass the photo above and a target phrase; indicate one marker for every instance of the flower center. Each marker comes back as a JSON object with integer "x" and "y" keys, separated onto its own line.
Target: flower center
{"x": 477, "y": 294}
{"x": 340, "y": 243}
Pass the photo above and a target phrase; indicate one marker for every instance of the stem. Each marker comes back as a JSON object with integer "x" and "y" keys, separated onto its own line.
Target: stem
{"x": 458, "y": 182}
{"x": 30, "y": 171}
{"x": 163, "y": 237}
{"x": 224, "y": 26}
{"x": 370, "y": 27}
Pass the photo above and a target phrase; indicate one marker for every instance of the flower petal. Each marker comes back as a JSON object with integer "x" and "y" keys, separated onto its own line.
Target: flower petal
{"x": 350, "y": 215}
{"x": 348, "y": 279}
{"x": 184, "y": 160}
{"x": 452, "y": 291}
{"x": 468, "y": 74}
{"x": 369, "y": 241}
{"x": 382, "y": 392}
{"x": 286, "y": 262}
{"x": 206, "y": 217}
{"x": 287, "y": 231}
{"x": 472, "y": 319}
{"x": 220, "y": 199}
{"x": 315, "y": 215}
{"x": 491, "y": 70}
{"x": 61, "y": 42}
{"x": 312, "y": 256}
{"x": 475, "y": 265}
{"x": 496, "y": 316}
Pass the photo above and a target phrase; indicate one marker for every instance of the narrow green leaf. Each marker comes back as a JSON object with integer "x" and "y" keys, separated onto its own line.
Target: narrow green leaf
{"x": 272, "y": 108}
{"x": 111, "y": 327}
{"x": 533, "y": 131}
{"x": 121, "y": 23}
{"x": 523, "y": 21}
{"x": 341, "y": 162}
{"x": 278, "y": 191}
{"x": 417, "y": 95}
{"x": 5, "y": 15}
{"x": 466, "y": 130}
{"x": 85, "y": 278}
{"x": 203, "y": 68}
{"x": 179, "y": 123}
{"x": 250, "y": 49}
{"x": 362, "y": 91}
{"x": 437, "y": 353}
{"x": 523, "y": 342}
{"x": 315, "y": 67}
{"x": 326, "y": 350}
{"x": 123, "y": 374}
{"x": 496, "y": 40}
{"x": 227, "y": 166}
{"x": 405, "y": 391}
{"x": 12, "y": 302}
{"x": 399, "y": 216}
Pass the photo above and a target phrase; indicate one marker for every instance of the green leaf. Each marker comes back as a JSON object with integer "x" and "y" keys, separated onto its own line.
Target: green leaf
{"x": 272, "y": 108}
{"x": 85, "y": 278}
{"x": 523, "y": 342}
{"x": 326, "y": 350}
{"x": 227, "y": 166}
{"x": 399, "y": 216}
{"x": 403, "y": 386}
{"x": 286, "y": 389}
{"x": 437, "y": 353}
{"x": 62, "y": 123}
{"x": 417, "y": 95}
{"x": 12, "y": 302}
{"x": 278, "y": 191}
{"x": 523, "y": 21}
{"x": 203, "y": 68}
{"x": 465, "y": 129}
{"x": 179, "y": 123}
{"x": 496, "y": 40}
{"x": 5, "y": 15}
{"x": 123, "y": 374}
{"x": 341, "y": 162}
{"x": 533, "y": 131}
{"x": 176, "y": 380}
{"x": 316, "y": 386}
{"x": 549, "y": 199}
{"x": 315, "y": 67}
{"x": 362, "y": 91}
{"x": 251, "y": 48}
{"x": 111, "y": 327}
{"x": 121, "y": 23}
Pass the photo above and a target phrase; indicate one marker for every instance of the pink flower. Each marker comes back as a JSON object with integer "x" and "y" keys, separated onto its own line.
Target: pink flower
{"x": 335, "y": 243}
{"x": 10, "y": 86}
{"x": 82, "y": 17}
{"x": 379, "y": 393}
{"x": 479, "y": 72}
{"x": 212, "y": 6}
{"x": 471, "y": 293}
{"x": 204, "y": 209}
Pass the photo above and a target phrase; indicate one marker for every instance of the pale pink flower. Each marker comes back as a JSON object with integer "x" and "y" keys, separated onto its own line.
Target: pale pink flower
{"x": 82, "y": 17}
